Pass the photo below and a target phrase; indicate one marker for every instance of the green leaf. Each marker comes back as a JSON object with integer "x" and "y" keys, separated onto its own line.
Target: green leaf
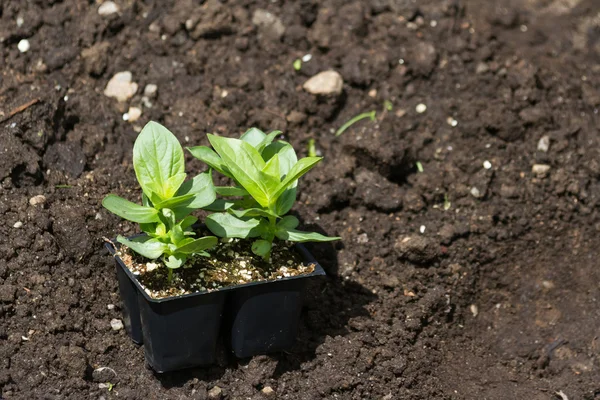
{"x": 231, "y": 191}
{"x": 220, "y": 205}
{"x": 130, "y": 211}
{"x": 158, "y": 161}
{"x": 288, "y": 222}
{"x": 286, "y": 201}
{"x": 145, "y": 246}
{"x": 187, "y": 222}
{"x": 272, "y": 167}
{"x": 177, "y": 201}
{"x": 174, "y": 261}
{"x": 261, "y": 248}
{"x": 209, "y": 157}
{"x": 246, "y": 165}
{"x": 227, "y": 225}
{"x": 302, "y": 167}
{"x": 253, "y": 136}
{"x": 267, "y": 140}
{"x": 252, "y": 212}
{"x": 203, "y": 189}
{"x": 203, "y": 193}
{"x": 286, "y": 153}
{"x": 198, "y": 245}
{"x": 294, "y": 235}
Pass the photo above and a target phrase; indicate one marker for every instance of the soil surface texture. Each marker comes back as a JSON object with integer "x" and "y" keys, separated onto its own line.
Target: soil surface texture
{"x": 468, "y": 209}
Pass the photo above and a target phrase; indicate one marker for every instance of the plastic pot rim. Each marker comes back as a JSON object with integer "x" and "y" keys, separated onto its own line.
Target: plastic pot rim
{"x": 318, "y": 271}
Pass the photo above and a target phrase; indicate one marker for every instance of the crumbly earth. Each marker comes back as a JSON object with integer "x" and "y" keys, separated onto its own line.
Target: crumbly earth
{"x": 230, "y": 263}
{"x": 476, "y": 278}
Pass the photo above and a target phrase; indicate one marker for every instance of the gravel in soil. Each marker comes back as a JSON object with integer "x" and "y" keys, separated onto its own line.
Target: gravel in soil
{"x": 429, "y": 234}
{"x": 230, "y": 263}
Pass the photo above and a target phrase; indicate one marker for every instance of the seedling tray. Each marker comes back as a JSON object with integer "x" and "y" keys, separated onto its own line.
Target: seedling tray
{"x": 183, "y": 331}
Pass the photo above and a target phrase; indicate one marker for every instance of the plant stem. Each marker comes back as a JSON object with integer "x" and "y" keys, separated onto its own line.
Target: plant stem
{"x": 170, "y": 275}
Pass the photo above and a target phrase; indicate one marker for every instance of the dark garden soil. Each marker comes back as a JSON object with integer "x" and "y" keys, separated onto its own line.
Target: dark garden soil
{"x": 457, "y": 282}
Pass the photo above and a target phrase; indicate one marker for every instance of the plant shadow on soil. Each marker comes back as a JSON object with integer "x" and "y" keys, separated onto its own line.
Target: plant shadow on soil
{"x": 329, "y": 303}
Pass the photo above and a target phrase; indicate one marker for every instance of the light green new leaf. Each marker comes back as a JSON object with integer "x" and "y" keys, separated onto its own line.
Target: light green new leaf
{"x": 174, "y": 202}
{"x": 231, "y": 191}
{"x": 252, "y": 212}
{"x": 227, "y": 225}
{"x": 267, "y": 141}
{"x": 288, "y": 222}
{"x": 158, "y": 161}
{"x": 209, "y": 157}
{"x": 253, "y": 136}
{"x": 246, "y": 165}
{"x": 198, "y": 245}
{"x": 294, "y": 235}
{"x": 202, "y": 189}
{"x": 286, "y": 153}
{"x": 130, "y": 211}
{"x": 302, "y": 167}
{"x": 272, "y": 168}
{"x": 144, "y": 246}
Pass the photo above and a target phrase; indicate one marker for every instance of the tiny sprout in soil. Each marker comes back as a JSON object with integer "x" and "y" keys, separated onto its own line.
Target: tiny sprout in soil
{"x": 342, "y": 129}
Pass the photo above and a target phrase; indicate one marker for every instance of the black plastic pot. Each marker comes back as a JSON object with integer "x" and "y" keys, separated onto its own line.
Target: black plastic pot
{"x": 183, "y": 331}
{"x": 177, "y": 332}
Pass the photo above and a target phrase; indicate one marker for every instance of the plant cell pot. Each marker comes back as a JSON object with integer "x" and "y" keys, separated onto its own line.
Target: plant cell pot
{"x": 183, "y": 331}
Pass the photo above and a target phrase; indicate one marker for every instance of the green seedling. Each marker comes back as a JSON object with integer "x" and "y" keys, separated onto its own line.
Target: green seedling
{"x": 167, "y": 200}
{"x": 265, "y": 174}
{"x": 312, "y": 149}
{"x": 387, "y": 105}
{"x": 419, "y": 166}
{"x": 297, "y": 64}
{"x": 342, "y": 129}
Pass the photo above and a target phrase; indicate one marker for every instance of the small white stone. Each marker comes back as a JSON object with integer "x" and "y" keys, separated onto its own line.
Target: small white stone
{"x": 39, "y": 199}
{"x": 110, "y": 306}
{"x": 475, "y": 192}
{"x": 150, "y": 90}
{"x": 108, "y": 8}
{"x": 451, "y": 121}
{"x": 487, "y": 164}
{"x": 116, "y": 324}
{"x": 306, "y": 57}
{"x": 18, "y": 224}
{"x": 325, "y": 83}
{"x": 151, "y": 266}
{"x": 134, "y": 114}
{"x": 20, "y": 21}
{"x": 121, "y": 86}
{"x": 540, "y": 169}
{"x": 422, "y": 229}
{"x": 421, "y": 108}
{"x": 544, "y": 144}
{"x": 433, "y": 23}
{"x": 474, "y": 310}
{"x": 23, "y": 45}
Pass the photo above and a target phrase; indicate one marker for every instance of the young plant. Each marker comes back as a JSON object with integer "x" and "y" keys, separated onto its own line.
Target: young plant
{"x": 265, "y": 174}
{"x": 167, "y": 200}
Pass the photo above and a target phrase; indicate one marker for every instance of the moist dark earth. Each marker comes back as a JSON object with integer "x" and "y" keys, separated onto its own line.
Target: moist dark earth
{"x": 462, "y": 281}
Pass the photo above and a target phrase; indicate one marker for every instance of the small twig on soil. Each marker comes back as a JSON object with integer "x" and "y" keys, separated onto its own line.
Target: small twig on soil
{"x": 26, "y": 289}
{"x": 19, "y": 109}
